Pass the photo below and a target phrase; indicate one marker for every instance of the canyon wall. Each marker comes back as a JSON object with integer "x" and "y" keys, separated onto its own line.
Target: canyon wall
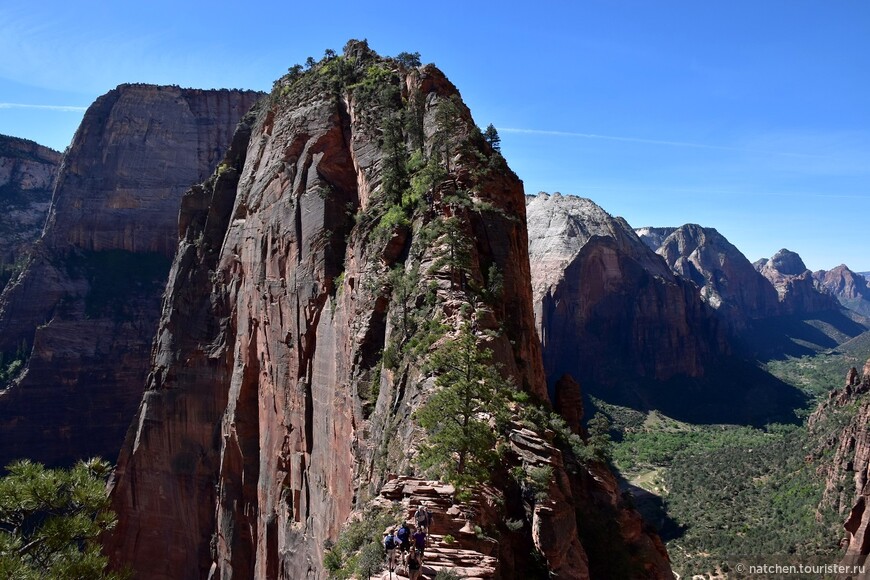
{"x": 87, "y": 303}
{"x": 726, "y": 280}
{"x": 770, "y": 309}
{"x": 842, "y": 424}
{"x": 27, "y": 174}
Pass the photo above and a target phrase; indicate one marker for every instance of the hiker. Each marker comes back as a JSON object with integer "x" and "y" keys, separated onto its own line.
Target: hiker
{"x": 422, "y": 518}
{"x": 419, "y": 538}
{"x": 404, "y": 536}
{"x": 391, "y": 542}
{"x": 414, "y": 565}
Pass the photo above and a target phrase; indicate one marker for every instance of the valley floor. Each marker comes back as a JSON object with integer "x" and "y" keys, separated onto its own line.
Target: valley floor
{"x": 721, "y": 495}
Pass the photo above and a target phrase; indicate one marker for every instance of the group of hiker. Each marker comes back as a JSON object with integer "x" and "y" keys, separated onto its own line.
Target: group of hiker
{"x": 403, "y": 546}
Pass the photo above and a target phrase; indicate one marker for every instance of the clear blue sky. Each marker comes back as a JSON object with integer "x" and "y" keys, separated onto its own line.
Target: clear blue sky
{"x": 749, "y": 116}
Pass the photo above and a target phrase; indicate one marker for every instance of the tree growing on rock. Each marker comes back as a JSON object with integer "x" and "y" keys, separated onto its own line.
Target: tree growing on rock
{"x": 408, "y": 59}
{"x": 462, "y": 418}
{"x": 455, "y": 253}
{"x": 448, "y": 118}
{"x": 491, "y": 136}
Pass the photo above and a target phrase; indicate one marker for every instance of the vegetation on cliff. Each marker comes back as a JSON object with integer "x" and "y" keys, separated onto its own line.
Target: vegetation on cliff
{"x": 466, "y": 415}
{"x": 51, "y": 519}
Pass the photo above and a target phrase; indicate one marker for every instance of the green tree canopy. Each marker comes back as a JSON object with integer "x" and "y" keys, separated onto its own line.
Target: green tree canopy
{"x": 491, "y": 136}
{"x": 458, "y": 418}
{"x": 50, "y": 520}
{"x": 448, "y": 118}
{"x": 408, "y": 59}
{"x": 455, "y": 252}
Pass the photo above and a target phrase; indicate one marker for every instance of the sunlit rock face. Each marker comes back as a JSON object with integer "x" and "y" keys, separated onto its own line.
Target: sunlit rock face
{"x": 271, "y": 413}
{"x": 606, "y": 304}
{"x": 27, "y": 174}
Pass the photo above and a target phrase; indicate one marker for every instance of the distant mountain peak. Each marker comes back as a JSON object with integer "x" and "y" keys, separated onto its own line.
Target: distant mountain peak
{"x": 787, "y": 262}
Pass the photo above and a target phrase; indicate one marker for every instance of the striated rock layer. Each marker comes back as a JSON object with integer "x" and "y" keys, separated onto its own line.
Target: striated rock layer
{"x": 82, "y": 314}
{"x": 270, "y": 413}
{"x": 613, "y": 313}
{"x": 607, "y": 308}
{"x": 27, "y": 174}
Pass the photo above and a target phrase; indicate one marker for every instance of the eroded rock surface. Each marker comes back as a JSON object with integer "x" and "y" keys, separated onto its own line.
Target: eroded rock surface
{"x": 726, "y": 280}
{"x": 851, "y": 289}
{"x": 27, "y": 174}
{"x": 794, "y": 284}
{"x": 847, "y": 471}
{"x": 276, "y": 313}
{"x": 605, "y": 304}
{"x": 86, "y": 306}
{"x": 272, "y": 411}
{"x": 771, "y": 308}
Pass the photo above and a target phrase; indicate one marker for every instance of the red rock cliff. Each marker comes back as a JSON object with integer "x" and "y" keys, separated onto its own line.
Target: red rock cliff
{"x": 605, "y": 304}
{"x": 843, "y": 424}
{"x": 88, "y": 302}
{"x": 726, "y": 280}
{"x": 850, "y": 288}
{"x": 271, "y": 411}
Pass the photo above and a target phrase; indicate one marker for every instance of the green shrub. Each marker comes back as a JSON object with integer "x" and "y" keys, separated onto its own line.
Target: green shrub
{"x": 358, "y": 551}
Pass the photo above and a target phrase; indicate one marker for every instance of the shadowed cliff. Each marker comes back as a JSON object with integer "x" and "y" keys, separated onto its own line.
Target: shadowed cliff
{"x": 81, "y": 315}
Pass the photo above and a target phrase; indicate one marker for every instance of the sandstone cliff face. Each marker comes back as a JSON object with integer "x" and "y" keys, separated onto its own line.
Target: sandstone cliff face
{"x": 794, "y": 283}
{"x": 727, "y": 281}
{"x": 606, "y": 306}
{"x": 88, "y": 302}
{"x": 847, "y": 473}
{"x": 270, "y": 412}
{"x": 771, "y": 308}
{"x": 27, "y": 174}
{"x": 851, "y": 289}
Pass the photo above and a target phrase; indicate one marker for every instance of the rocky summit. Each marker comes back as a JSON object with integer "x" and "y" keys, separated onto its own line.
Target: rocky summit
{"x": 850, "y": 288}
{"x": 769, "y": 308}
{"x": 358, "y": 221}
{"x": 794, "y": 283}
{"x": 76, "y": 324}
{"x": 726, "y": 280}
{"x": 606, "y": 306}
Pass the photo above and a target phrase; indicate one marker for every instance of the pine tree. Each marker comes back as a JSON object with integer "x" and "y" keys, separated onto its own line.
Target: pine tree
{"x": 455, "y": 253}
{"x": 448, "y": 119}
{"x": 414, "y": 121}
{"x": 458, "y": 417}
{"x": 50, "y": 520}
{"x": 408, "y": 59}
{"x": 491, "y": 136}
{"x": 395, "y": 171}
{"x": 405, "y": 289}
{"x": 599, "y": 441}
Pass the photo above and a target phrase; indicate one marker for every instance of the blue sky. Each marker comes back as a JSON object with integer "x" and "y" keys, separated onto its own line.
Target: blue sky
{"x": 751, "y": 117}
